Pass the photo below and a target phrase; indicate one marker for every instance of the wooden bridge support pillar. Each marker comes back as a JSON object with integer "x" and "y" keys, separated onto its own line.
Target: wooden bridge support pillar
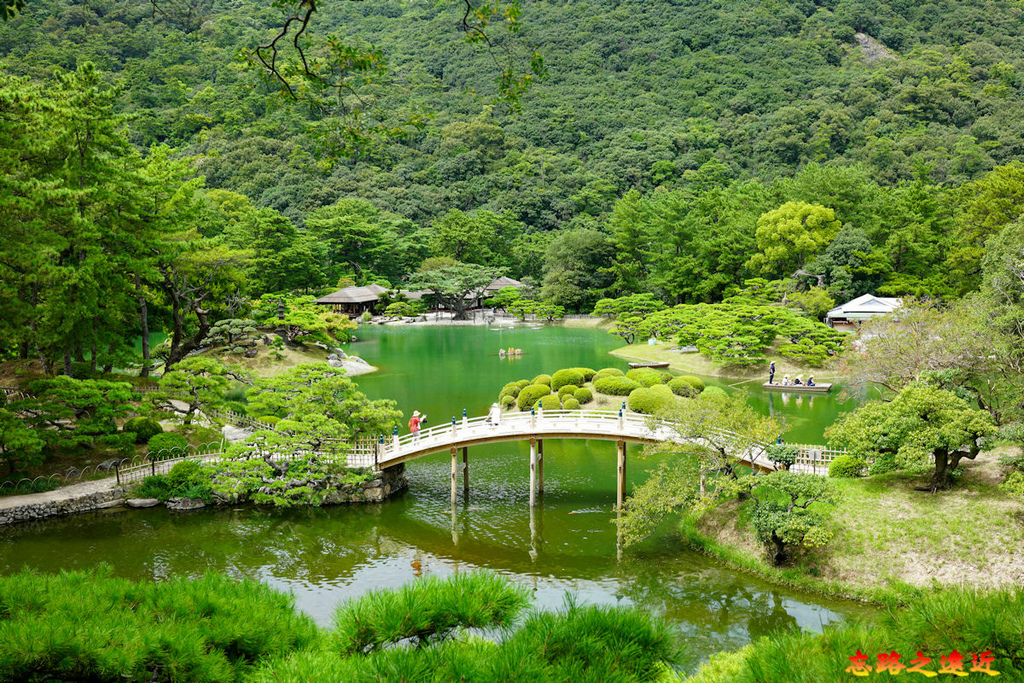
{"x": 540, "y": 465}
{"x": 465, "y": 470}
{"x": 533, "y": 472}
{"x": 620, "y": 484}
{"x": 455, "y": 473}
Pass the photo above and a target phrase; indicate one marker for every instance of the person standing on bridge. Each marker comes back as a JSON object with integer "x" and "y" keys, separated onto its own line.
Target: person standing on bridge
{"x": 494, "y": 416}
{"x": 415, "y": 422}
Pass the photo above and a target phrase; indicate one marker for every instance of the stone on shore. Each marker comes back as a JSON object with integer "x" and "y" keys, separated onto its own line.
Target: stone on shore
{"x": 142, "y": 502}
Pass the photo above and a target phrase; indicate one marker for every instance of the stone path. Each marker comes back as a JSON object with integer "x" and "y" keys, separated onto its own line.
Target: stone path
{"x": 62, "y": 494}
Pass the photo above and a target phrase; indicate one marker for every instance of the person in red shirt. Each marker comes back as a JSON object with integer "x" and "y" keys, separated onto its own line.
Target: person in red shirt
{"x": 414, "y": 423}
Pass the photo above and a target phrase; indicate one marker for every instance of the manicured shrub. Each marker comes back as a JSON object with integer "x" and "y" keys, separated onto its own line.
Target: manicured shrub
{"x": 648, "y": 376}
{"x": 531, "y": 394}
{"x": 522, "y": 383}
{"x": 550, "y": 402}
{"x": 650, "y": 400}
{"x": 567, "y": 390}
{"x": 153, "y": 487}
{"x": 511, "y": 389}
{"x": 542, "y": 379}
{"x": 616, "y": 386}
{"x": 145, "y": 428}
{"x": 607, "y": 372}
{"x": 269, "y": 419}
{"x": 687, "y": 386}
{"x": 570, "y": 403}
{"x": 565, "y": 377}
{"x": 782, "y": 454}
{"x": 846, "y": 466}
{"x": 583, "y": 395}
{"x": 171, "y": 444}
{"x": 715, "y": 391}
{"x": 507, "y": 401}
{"x": 237, "y": 407}
{"x": 588, "y": 373}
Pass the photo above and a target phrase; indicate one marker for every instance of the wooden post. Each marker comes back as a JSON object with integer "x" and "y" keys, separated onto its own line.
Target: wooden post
{"x": 455, "y": 470}
{"x": 540, "y": 465}
{"x": 533, "y": 472}
{"x": 620, "y": 486}
{"x": 465, "y": 470}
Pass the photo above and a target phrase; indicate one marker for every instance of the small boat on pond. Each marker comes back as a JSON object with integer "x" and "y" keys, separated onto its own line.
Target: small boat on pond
{"x": 822, "y": 388}
{"x": 653, "y": 364}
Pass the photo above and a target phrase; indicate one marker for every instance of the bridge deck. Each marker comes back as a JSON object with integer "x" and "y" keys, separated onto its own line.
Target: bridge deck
{"x": 563, "y": 424}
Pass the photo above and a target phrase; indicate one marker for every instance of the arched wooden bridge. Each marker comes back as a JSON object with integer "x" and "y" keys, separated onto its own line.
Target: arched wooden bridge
{"x": 620, "y": 426}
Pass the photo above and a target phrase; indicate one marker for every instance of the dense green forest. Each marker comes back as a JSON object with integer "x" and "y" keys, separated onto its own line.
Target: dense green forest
{"x": 676, "y": 148}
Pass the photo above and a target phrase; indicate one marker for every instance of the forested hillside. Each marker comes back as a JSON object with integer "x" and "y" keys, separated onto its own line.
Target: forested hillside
{"x": 672, "y": 144}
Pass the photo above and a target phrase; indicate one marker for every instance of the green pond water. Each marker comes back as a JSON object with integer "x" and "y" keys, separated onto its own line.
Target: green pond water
{"x": 565, "y": 545}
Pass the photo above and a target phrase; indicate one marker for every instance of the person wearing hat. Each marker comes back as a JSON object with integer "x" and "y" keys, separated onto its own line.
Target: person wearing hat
{"x": 494, "y": 416}
{"x": 414, "y": 423}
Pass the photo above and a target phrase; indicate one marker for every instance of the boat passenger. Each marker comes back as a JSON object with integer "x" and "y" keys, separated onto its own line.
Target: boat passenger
{"x": 785, "y": 380}
{"x": 810, "y": 381}
{"x": 797, "y": 381}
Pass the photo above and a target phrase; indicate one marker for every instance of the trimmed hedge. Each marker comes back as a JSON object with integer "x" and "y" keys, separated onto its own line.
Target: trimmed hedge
{"x": 607, "y": 372}
{"x": 566, "y": 377}
{"x": 541, "y": 379}
{"x": 616, "y": 386}
{"x": 269, "y": 419}
{"x": 507, "y": 401}
{"x": 846, "y": 467}
{"x": 715, "y": 391}
{"x": 686, "y": 386}
{"x": 550, "y": 402}
{"x": 650, "y": 400}
{"x": 568, "y": 389}
{"x": 648, "y": 376}
{"x": 583, "y": 395}
{"x": 144, "y": 428}
{"x": 173, "y": 444}
{"x": 570, "y": 403}
{"x": 588, "y": 373}
{"x": 531, "y": 394}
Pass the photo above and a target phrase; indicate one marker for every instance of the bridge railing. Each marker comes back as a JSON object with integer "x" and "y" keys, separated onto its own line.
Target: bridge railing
{"x": 583, "y": 420}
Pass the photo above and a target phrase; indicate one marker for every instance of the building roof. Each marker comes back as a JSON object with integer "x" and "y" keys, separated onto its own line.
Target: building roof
{"x": 865, "y": 306}
{"x": 364, "y": 295}
{"x": 353, "y": 295}
{"x": 501, "y": 283}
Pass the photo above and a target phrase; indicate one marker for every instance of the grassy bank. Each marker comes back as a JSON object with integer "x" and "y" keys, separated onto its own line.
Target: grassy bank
{"x": 946, "y": 568}
{"x": 694, "y": 363}
{"x": 891, "y": 541}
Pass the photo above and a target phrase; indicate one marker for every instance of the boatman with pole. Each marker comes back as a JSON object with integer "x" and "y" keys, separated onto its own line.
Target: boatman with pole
{"x": 771, "y": 373}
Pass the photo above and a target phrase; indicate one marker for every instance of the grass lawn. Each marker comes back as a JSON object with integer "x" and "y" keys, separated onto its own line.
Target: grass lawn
{"x": 694, "y": 363}
{"x": 887, "y": 534}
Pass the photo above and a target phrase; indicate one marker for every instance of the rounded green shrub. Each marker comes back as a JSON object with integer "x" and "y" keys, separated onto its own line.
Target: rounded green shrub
{"x": 269, "y": 419}
{"x": 715, "y": 391}
{"x": 583, "y": 395}
{"x": 512, "y": 389}
{"x": 607, "y": 372}
{"x": 185, "y": 475}
{"x": 846, "y": 466}
{"x": 570, "y": 403}
{"x": 531, "y": 394}
{"x": 507, "y": 402}
{"x": 686, "y": 386}
{"x": 564, "y": 377}
{"x": 616, "y": 386}
{"x": 541, "y": 379}
{"x": 171, "y": 444}
{"x": 648, "y": 376}
{"x": 588, "y": 373}
{"x": 650, "y": 400}
{"x": 145, "y": 428}
{"x": 568, "y": 389}
{"x": 550, "y": 402}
